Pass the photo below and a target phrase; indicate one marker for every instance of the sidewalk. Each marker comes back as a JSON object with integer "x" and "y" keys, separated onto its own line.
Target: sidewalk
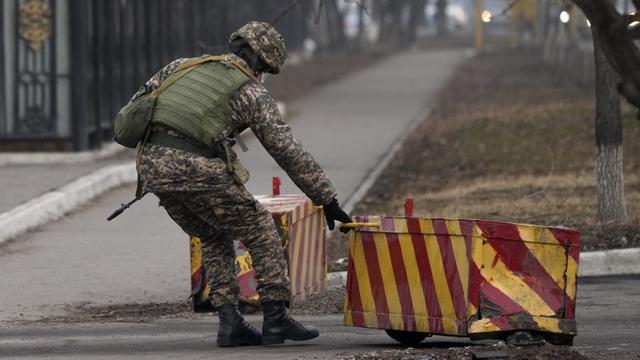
{"x": 349, "y": 125}
{"x": 21, "y": 183}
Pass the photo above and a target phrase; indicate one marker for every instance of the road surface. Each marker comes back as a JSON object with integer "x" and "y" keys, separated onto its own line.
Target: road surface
{"x": 608, "y": 325}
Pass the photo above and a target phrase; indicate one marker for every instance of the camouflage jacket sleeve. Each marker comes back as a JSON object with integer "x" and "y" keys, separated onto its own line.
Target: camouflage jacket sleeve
{"x": 252, "y": 106}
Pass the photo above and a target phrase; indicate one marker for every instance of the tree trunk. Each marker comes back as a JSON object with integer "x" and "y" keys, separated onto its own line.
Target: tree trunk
{"x": 416, "y": 18}
{"x": 609, "y": 165}
{"x": 441, "y": 17}
{"x": 336, "y": 25}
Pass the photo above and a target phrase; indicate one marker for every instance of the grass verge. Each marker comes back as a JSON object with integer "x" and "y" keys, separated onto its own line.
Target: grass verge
{"x": 511, "y": 139}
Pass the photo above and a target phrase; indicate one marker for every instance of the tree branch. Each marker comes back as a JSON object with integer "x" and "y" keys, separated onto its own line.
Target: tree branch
{"x": 617, "y": 44}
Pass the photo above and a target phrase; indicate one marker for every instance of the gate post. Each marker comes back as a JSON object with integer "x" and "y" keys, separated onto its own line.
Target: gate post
{"x": 79, "y": 99}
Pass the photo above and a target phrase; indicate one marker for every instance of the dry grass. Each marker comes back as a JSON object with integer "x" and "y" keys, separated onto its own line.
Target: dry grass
{"x": 511, "y": 140}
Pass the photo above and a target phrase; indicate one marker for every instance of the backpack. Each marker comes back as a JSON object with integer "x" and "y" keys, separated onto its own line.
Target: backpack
{"x": 132, "y": 121}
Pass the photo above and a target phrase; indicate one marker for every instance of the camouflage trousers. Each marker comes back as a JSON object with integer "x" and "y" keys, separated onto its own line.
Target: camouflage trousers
{"x": 218, "y": 212}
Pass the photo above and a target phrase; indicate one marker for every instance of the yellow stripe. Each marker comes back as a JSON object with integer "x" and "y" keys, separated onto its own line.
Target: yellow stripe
{"x": 196, "y": 254}
{"x": 548, "y": 324}
{"x": 312, "y": 252}
{"x": 347, "y": 320}
{"x": 471, "y": 310}
{"x": 400, "y": 225}
{"x": 483, "y": 326}
{"x": 550, "y": 254}
{"x": 415, "y": 283}
{"x": 314, "y": 243}
{"x": 572, "y": 273}
{"x": 307, "y": 253}
{"x": 389, "y": 281}
{"x": 349, "y": 293}
{"x": 439, "y": 278}
{"x": 543, "y": 323}
{"x": 511, "y": 285}
{"x": 319, "y": 237}
{"x": 460, "y": 252}
{"x": 293, "y": 259}
{"x": 364, "y": 286}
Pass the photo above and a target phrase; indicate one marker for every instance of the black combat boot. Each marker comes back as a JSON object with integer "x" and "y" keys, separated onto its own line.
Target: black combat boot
{"x": 278, "y": 325}
{"x": 233, "y": 330}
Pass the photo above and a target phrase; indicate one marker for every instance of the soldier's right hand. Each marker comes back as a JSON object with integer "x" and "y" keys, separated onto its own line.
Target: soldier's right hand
{"x": 333, "y": 212}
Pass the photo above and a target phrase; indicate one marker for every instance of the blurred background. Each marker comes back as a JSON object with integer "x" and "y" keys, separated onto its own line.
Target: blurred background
{"x": 67, "y": 66}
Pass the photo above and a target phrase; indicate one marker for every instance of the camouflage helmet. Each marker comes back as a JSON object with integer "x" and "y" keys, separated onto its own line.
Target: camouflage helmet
{"x": 266, "y": 41}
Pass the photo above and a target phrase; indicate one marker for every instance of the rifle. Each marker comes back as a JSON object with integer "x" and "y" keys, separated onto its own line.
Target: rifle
{"x": 122, "y": 208}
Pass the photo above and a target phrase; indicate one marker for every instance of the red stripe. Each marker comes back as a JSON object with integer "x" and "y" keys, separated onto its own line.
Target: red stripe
{"x": 568, "y": 238}
{"x": 495, "y": 302}
{"x": 424, "y": 268}
{"x": 517, "y": 257}
{"x": 400, "y": 272}
{"x": 502, "y": 322}
{"x": 569, "y": 309}
{"x": 375, "y": 278}
{"x": 298, "y": 280}
{"x": 450, "y": 267}
{"x": 475, "y": 281}
{"x": 466, "y": 228}
{"x": 353, "y": 290}
{"x": 196, "y": 280}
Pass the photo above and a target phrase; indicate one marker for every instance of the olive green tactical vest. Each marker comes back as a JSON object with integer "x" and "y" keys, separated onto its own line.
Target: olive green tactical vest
{"x": 197, "y": 105}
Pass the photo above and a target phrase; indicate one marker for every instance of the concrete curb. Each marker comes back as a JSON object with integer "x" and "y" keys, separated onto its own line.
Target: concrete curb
{"x": 610, "y": 262}
{"x": 49, "y": 158}
{"x": 55, "y": 204}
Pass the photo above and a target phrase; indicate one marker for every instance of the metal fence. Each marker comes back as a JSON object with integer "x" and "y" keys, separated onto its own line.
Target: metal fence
{"x": 69, "y": 65}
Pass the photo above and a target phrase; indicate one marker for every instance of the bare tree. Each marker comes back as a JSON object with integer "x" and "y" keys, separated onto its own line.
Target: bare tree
{"x": 617, "y": 58}
{"x": 416, "y": 18}
{"x": 608, "y": 125}
{"x": 441, "y": 17}
{"x": 616, "y": 34}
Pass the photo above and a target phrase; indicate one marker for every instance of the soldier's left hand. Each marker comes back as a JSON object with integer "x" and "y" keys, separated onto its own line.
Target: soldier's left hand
{"x": 333, "y": 212}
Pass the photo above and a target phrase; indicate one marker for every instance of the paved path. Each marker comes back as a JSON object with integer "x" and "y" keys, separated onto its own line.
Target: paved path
{"x": 142, "y": 256}
{"x": 351, "y": 124}
{"x": 608, "y": 326}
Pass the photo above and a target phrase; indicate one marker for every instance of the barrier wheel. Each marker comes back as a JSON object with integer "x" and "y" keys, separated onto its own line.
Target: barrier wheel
{"x": 559, "y": 339}
{"x": 407, "y": 338}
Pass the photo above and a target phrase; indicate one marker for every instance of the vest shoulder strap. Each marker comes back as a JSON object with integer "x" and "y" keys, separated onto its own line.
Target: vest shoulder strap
{"x": 188, "y": 65}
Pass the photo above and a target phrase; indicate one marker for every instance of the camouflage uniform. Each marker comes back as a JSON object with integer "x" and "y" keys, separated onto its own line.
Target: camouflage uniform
{"x": 205, "y": 201}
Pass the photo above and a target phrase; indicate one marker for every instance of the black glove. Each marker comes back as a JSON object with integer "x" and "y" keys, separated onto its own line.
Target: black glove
{"x": 332, "y": 212}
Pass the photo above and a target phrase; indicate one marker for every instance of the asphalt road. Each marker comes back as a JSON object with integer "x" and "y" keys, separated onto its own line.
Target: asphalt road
{"x": 608, "y": 325}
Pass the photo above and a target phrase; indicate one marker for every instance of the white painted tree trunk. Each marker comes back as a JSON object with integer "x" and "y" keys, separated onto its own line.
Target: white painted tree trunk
{"x": 608, "y": 125}
{"x": 610, "y": 183}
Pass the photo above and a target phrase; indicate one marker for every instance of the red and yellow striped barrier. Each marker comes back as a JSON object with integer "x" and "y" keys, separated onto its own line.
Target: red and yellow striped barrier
{"x": 461, "y": 277}
{"x": 301, "y": 227}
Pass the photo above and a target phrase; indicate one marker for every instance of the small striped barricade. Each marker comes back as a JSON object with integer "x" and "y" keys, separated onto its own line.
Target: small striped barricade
{"x": 301, "y": 228}
{"x": 414, "y": 277}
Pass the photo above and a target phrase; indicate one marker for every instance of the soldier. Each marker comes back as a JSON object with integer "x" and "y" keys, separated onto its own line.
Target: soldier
{"x": 188, "y": 162}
